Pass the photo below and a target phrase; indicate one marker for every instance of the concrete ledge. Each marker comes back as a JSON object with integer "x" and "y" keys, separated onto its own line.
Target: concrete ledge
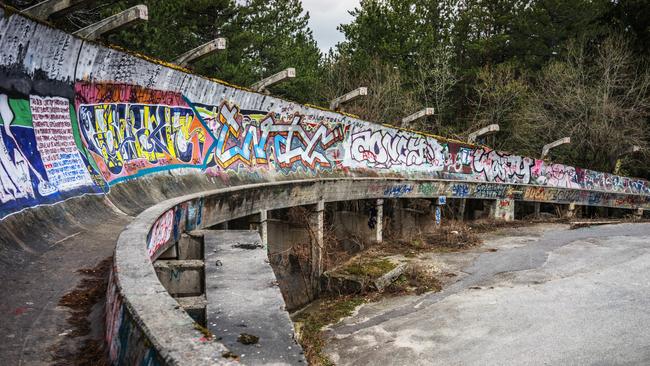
{"x": 168, "y": 329}
{"x": 196, "y": 307}
{"x": 181, "y": 278}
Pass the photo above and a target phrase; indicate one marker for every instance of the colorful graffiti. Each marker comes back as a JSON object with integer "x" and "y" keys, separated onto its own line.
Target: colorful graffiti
{"x": 50, "y": 151}
{"x": 161, "y": 232}
{"x": 128, "y": 137}
{"x": 40, "y": 161}
{"x": 254, "y": 138}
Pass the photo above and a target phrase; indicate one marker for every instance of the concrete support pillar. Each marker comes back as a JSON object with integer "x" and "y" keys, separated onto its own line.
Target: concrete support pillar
{"x": 503, "y": 209}
{"x": 461, "y": 209}
{"x": 285, "y": 74}
{"x": 47, "y": 8}
{"x": 201, "y": 51}
{"x": 356, "y": 93}
{"x": 379, "y": 227}
{"x": 128, "y": 17}
{"x": 318, "y": 232}
{"x": 538, "y": 209}
{"x": 571, "y": 210}
{"x": 264, "y": 227}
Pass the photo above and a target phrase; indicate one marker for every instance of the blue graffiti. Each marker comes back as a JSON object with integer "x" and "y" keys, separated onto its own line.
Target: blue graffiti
{"x": 398, "y": 191}
{"x": 460, "y": 190}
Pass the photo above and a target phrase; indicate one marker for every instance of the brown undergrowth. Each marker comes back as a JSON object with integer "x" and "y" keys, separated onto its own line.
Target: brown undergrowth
{"x": 415, "y": 280}
{"x": 452, "y": 236}
{"x": 81, "y": 301}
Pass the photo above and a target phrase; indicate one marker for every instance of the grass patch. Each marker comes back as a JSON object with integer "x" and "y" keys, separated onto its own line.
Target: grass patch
{"x": 373, "y": 268}
{"x": 329, "y": 311}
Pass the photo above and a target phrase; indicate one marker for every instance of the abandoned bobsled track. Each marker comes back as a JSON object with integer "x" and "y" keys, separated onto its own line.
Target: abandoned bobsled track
{"x": 107, "y": 153}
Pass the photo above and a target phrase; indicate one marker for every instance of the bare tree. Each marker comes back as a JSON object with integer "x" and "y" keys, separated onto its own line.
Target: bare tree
{"x": 499, "y": 96}
{"x": 387, "y": 101}
{"x": 600, "y": 99}
{"x": 435, "y": 80}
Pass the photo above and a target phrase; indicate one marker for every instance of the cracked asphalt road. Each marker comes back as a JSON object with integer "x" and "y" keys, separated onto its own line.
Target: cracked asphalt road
{"x": 547, "y": 296}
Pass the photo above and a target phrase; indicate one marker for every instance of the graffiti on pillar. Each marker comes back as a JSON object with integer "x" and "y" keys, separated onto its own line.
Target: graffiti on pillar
{"x": 385, "y": 148}
{"x": 127, "y": 135}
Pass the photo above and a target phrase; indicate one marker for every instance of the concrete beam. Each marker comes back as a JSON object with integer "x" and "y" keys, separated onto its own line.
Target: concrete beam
{"x": 356, "y": 93}
{"x": 134, "y": 15}
{"x": 503, "y": 209}
{"x": 379, "y": 226}
{"x": 264, "y": 227}
{"x": 48, "y": 8}
{"x": 418, "y": 115}
{"x": 571, "y": 211}
{"x": 318, "y": 228}
{"x": 181, "y": 277}
{"x": 201, "y": 51}
{"x": 461, "y": 209}
{"x": 285, "y": 74}
{"x": 485, "y": 131}
{"x": 554, "y": 144}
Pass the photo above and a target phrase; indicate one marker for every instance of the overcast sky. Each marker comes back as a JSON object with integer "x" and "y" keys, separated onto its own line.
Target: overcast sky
{"x": 325, "y": 16}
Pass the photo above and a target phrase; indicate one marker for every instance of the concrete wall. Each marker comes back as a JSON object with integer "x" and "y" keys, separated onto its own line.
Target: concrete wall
{"x": 291, "y": 273}
{"x": 79, "y": 118}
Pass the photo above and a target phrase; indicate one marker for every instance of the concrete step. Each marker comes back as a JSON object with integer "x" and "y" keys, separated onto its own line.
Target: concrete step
{"x": 195, "y": 306}
{"x": 244, "y": 299}
{"x": 181, "y": 278}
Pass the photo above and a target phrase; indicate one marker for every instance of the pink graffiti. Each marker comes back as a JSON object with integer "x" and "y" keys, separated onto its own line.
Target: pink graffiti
{"x": 161, "y": 232}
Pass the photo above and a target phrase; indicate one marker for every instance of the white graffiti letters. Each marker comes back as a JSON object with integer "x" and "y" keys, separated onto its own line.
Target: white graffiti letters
{"x": 385, "y": 149}
{"x": 492, "y": 166}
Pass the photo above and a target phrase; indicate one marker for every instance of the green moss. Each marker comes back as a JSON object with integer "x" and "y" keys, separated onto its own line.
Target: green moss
{"x": 203, "y": 330}
{"x": 329, "y": 311}
{"x": 371, "y": 269}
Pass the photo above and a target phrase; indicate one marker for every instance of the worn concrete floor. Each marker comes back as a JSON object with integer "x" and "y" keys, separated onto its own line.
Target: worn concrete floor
{"x": 33, "y": 325}
{"x": 547, "y": 296}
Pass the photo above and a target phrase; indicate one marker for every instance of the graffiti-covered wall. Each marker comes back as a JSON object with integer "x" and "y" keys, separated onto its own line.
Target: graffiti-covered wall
{"x": 77, "y": 118}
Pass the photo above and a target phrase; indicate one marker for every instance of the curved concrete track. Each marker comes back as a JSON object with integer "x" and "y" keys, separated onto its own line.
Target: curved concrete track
{"x": 550, "y": 297}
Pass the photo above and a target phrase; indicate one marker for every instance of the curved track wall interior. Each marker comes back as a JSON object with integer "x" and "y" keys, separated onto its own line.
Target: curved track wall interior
{"x": 84, "y": 121}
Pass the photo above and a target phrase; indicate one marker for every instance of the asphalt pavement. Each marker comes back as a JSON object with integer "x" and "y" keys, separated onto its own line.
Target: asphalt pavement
{"x": 545, "y": 297}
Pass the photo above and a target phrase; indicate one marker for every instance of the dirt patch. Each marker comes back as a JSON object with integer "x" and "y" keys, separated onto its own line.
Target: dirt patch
{"x": 417, "y": 280}
{"x": 453, "y": 236}
{"x": 247, "y": 339}
{"x": 486, "y": 225}
{"x": 82, "y": 301}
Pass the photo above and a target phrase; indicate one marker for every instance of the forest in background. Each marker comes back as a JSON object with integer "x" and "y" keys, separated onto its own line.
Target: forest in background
{"x": 541, "y": 69}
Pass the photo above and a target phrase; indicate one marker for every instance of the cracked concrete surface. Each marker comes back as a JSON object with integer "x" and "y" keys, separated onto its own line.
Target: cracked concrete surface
{"x": 547, "y": 296}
